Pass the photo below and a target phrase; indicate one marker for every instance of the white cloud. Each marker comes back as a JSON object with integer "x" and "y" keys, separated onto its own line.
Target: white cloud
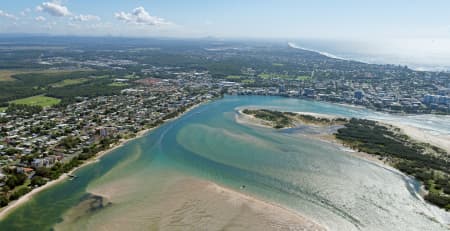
{"x": 123, "y": 16}
{"x": 40, "y": 19}
{"x": 85, "y": 18}
{"x": 141, "y": 17}
{"x": 25, "y": 12}
{"x": 54, "y": 9}
{"x": 7, "y": 15}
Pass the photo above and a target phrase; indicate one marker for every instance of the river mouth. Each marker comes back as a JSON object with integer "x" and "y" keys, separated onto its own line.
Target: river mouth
{"x": 169, "y": 178}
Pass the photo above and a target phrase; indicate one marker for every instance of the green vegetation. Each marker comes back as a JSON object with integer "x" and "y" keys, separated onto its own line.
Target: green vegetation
{"x": 278, "y": 76}
{"x": 38, "y": 181}
{"x": 3, "y": 109}
{"x": 23, "y": 110}
{"x": 303, "y": 78}
{"x": 15, "y": 179}
{"x": 99, "y": 87}
{"x": 233, "y": 77}
{"x": 59, "y": 168}
{"x": 10, "y": 75}
{"x": 240, "y": 78}
{"x": 63, "y": 85}
{"x": 427, "y": 163}
{"x": 16, "y": 185}
{"x": 39, "y": 100}
{"x": 309, "y": 119}
{"x": 118, "y": 84}
{"x": 100, "y": 76}
{"x": 279, "y": 119}
{"x": 288, "y": 119}
{"x": 32, "y": 84}
{"x": 277, "y": 64}
{"x": 4, "y": 200}
{"x": 265, "y": 76}
{"x": 69, "y": 142}
{"x": 20, "y": 191}
{"x": 68, "y": 82}
{"x": 132, "y": 76}
{"x": 248, "y": 81}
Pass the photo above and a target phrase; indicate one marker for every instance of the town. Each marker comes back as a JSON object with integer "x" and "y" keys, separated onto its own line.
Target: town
{"x": 39, "y": 147}
{"x": 392, "y": 97}
{"x": 98, "y": 102}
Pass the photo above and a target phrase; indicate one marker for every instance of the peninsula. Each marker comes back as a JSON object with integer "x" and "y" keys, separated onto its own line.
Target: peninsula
{"x": 427, "y": 163}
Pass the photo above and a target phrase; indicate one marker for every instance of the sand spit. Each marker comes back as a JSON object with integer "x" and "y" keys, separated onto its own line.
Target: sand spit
{"x": 191, "y": 204}
{"x": 246, "y": 119}
{"x": 251, "y": 120}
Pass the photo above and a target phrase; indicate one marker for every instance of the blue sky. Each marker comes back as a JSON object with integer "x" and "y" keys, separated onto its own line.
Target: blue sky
{"x": 231, "y": 18}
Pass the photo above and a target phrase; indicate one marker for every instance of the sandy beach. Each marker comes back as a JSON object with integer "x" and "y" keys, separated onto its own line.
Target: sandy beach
{"x": 251, "y": 120}
{"x": 442, "y": 141}
{"x": 14, "y": 204}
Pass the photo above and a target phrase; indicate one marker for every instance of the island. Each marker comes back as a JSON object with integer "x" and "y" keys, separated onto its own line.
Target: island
{"x": 427, "y": 163}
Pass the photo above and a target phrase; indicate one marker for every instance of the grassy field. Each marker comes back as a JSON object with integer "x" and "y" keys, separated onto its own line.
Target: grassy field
{"x": 7, "y": 75}
{"x": 39, "y": 100}
{"x": 303, "y": 77}
{"x": 118, "y": 84}
{"x": 274, "y": 75}
{"x": 68, "y": 82}
{"x": 131, "y": 76}
{"x": 277, "y": 64}
{"x": 265, "y": 76}
{"x": 2, "y": 109}
{"x": 233, "y": 77}
{"x": 101, "y": 77}
{"x": 248, "y": 81}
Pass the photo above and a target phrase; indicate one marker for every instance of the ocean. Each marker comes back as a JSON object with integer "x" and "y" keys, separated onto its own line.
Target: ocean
{"x": 423, "y": 54}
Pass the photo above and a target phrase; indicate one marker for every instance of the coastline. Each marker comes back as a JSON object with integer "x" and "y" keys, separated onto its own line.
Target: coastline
{"x": 441, "y": 141}
{"x": 246, "y": 119}
{"x": 415, "y": 134}
{"x": 4, "y": 212}
{"x": 328, "y": 138}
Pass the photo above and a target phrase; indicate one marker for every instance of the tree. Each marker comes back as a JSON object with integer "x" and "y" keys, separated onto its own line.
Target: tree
{"x": 16, "y": 180}
{"x": 38, "y": 180}
{"x": 3, "y": 200}
{"x": 20, "y": 192}
{"x": 70, "y": 142}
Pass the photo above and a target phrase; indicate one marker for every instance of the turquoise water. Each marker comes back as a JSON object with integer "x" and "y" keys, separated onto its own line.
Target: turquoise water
{"x": 315, "y": 178}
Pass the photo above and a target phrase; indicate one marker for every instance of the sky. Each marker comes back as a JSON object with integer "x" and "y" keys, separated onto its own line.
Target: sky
{"x": 343, "y": 19}
{"x": 411, "y": 32}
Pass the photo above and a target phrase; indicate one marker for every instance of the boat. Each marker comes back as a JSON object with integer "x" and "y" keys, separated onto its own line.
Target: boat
{"x": 72, "y": 176}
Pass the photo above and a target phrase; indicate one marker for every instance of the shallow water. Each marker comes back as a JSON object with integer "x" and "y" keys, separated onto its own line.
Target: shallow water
{"x": 317, "y": 179}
